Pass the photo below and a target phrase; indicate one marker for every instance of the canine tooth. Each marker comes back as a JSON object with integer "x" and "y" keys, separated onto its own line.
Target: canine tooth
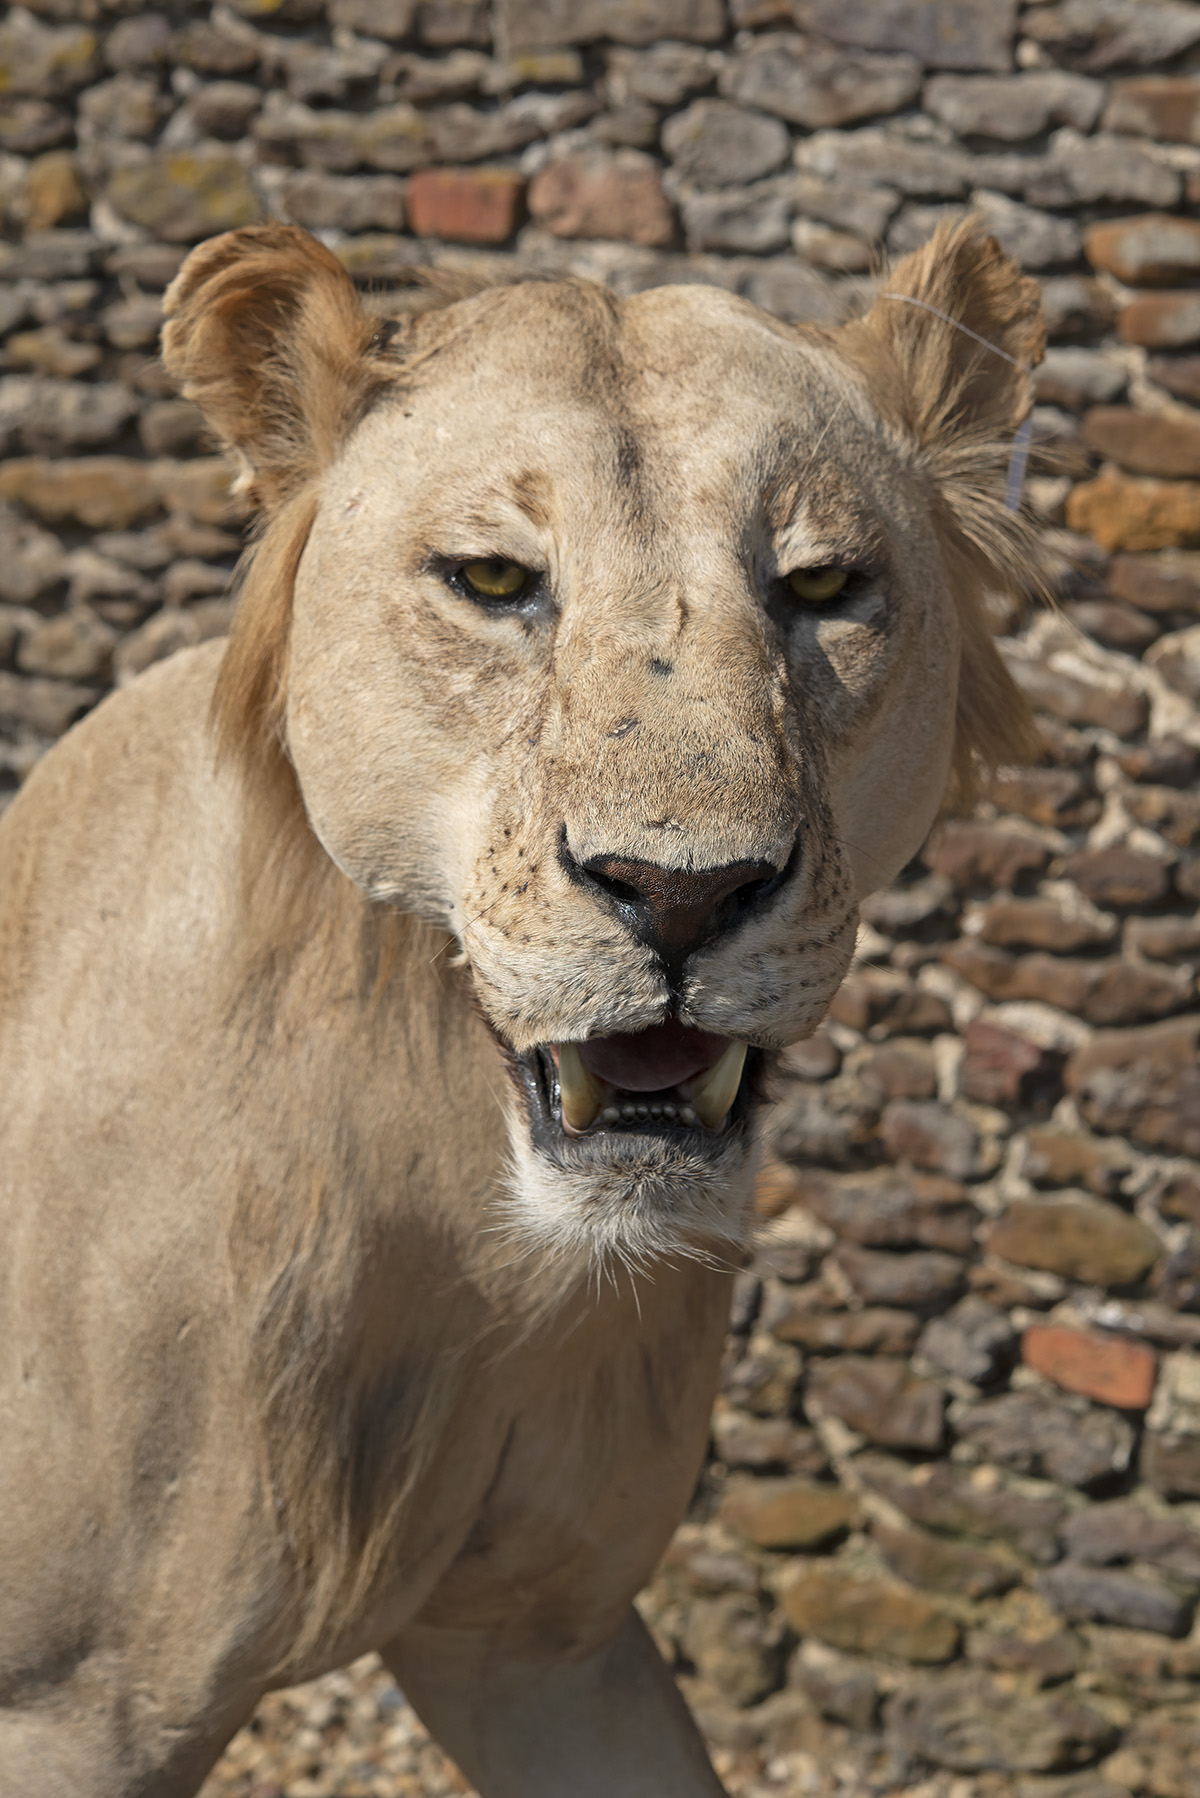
{"x": 713, "y": 1093}
{"x": 582, "y": 1094}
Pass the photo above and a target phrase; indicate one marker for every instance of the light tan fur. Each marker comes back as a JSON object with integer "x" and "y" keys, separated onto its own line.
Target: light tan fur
{"x": 308, "y": 1346}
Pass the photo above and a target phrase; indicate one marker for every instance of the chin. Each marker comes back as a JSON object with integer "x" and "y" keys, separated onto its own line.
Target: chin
{"x": 637, "y": 1148}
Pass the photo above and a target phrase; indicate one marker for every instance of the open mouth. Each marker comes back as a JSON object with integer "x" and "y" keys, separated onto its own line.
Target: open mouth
{"x": 669, "y": 1080}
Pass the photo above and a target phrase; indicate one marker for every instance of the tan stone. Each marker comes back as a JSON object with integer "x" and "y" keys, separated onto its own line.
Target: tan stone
{"x": 47, "y": 707}
{"x": 596, "y": 194}
{"x": 957, "y": 1501}
{"x": 1166, "y": 759}
{"x": 901, "y": 1070}
{"x": 875, "y": 1330}
{"x": 106, "y": 493}
{"x": 1169, "y": 582}
{"x": 1039, "y": 923}
{"x": 53, "y": 192}
{"x": 1124, "y": 513}
{"x": 945, "y": 34}
{"x": 812, "y": 83}
{"x": 1177, "y": 658}
{"x": 74, "y": 646}
{"x": 1156, "y": 249}
{"x": 1161, "y": 321}
{"x": 1173, "y": 814}
{"x": 867, "y": 1616}
{"x": 1070, "y": 1158}
{"x": 1058, "y": 796}
{"x": 787, "y": 1513}
{"x": 1179, "y": 375}
{"x": 893, "y": 1209}
{"x": 1080, "y": 1238}
{"x": 185, "y": 194}
{"x": 535, "y": 24}
{"x": 1174, "y": 1044}
{"x": 1144, "y": 442}
{"x": 50, "y": 351}
{"x": 1053, "y": 979}
{"x": 954, "y": 1567}
{"x": 1162, "y": 106}
{"x": 1118, "y": 875}
{"x": 1166, "y": 938}
{"x": 923, "y": 1279}
{"x": 201, "y": 488}
{"x": 999, "y": 1067}
{"x": 883, "y": 1399}
{"x": 991, "y": 854}
{"x": 1143, "y": 1082}
{"x": 41, "y": 60}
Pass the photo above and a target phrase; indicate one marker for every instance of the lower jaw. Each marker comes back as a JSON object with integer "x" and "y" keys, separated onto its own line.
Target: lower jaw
{"x": 659, "y": 1124}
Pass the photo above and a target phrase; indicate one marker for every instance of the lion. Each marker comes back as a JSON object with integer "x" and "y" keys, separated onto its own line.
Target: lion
{"x": 387, "y": 995}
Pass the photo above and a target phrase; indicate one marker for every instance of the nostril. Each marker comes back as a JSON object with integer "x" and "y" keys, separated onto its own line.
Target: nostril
{"x": 620, "y": 890}
{"x": 751, "y": 892}
{"x": 755, "y": 890}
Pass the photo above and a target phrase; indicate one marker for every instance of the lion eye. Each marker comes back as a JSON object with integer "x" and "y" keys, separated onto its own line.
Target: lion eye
{"x": 817, "y": 586}
{"x": 494, "y": 578}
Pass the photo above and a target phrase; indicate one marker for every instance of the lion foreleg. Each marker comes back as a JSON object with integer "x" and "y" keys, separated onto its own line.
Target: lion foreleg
{"x": 610, "y": 1724}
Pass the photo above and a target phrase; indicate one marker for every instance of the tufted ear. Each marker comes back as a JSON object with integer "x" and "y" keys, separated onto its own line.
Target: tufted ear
{"x": 266, "y": 334}
{"x": 948, "y": 349}
{"x": 963, "y": 330}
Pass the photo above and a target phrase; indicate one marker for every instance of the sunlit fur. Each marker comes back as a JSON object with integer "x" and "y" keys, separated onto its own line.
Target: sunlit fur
{"x": 307, "y": 1348}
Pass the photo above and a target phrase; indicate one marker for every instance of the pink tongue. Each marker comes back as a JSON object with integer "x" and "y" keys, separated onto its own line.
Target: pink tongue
{"x": 652, "y": 1059}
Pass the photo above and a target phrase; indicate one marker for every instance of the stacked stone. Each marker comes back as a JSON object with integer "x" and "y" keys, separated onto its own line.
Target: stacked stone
{"x": 950, "y": 1530}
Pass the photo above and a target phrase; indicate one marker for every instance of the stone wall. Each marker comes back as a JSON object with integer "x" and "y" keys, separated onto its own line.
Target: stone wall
{"x": 949, "y": 1540}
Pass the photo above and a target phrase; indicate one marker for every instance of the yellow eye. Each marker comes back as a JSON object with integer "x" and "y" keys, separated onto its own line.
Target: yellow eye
{"x": 495, "y": 578}
{"x": 817, "y": 586}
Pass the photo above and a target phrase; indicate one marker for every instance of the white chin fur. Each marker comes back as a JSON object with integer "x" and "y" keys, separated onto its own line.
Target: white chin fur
{"x": 661, "y": 1205}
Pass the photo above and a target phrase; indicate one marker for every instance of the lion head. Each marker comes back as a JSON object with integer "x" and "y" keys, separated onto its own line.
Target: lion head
{"x": 633, "y": 641}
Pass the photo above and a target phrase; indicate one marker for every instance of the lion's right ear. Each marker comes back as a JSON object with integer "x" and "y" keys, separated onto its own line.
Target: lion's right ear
{"x": 266, "y": 334}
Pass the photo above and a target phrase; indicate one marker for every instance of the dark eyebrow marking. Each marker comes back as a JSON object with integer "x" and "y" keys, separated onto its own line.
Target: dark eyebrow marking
{"x": 529, "y": 492}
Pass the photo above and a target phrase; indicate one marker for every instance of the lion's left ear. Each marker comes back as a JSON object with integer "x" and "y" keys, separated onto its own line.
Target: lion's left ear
{"x": 947, "y": 353}
{"x": 962, "y": 329}
{"x": 266, "y": 334}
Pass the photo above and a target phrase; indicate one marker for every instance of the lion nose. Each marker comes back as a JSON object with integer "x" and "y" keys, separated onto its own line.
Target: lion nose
{"x": 675, "y": 910}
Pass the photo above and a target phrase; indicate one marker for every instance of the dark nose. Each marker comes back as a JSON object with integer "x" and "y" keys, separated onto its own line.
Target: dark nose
{"x": 675, "y": 910}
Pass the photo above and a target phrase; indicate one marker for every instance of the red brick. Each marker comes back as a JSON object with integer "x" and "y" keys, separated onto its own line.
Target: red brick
{"x": 465, "y": 205}
{"x": 1106, "y": 1368}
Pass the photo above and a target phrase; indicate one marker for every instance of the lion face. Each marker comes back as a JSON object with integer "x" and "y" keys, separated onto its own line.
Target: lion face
{"x": 623, "y": 645}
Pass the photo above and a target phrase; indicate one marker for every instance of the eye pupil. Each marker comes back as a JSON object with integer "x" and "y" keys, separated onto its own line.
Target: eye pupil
{"x": 494, "y": 578}
{"x": 816, "y": 586}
